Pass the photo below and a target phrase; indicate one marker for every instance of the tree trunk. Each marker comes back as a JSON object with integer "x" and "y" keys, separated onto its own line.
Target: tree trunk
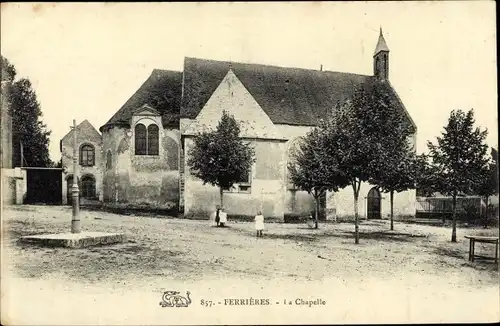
{"x": 221, "y": 197}
{"x": 485, "y": 218}
{"x": 454, "y": 228}
{"x": 392, "y": 210}
{"x": 317, "y": 211}
{"x": 356, "y": 217}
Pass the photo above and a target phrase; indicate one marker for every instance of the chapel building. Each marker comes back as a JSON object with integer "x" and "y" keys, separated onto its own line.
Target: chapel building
{"x": 140, "y": 156}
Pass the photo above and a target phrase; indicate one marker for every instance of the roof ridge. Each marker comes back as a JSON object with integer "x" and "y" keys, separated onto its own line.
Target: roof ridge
{"x": 275, "y": 66}
{"x": 165, "y": 70}
{"x": 346, "y": 73}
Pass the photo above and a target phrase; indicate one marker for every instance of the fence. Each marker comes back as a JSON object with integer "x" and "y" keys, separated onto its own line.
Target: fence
{"x": 467, "y": 208}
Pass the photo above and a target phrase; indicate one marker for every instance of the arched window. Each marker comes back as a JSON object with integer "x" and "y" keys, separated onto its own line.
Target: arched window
{"x": 109, "y": 162}
{"x": 146, "y": 139}
{"x": 87, "y": 157}
{"x": 153, "y": 134}
{"x": 88, "y": 186}
{"x": 140, "y": 139}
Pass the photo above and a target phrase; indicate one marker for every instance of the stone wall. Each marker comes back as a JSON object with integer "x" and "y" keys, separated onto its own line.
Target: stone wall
{"x": 343, "y": 201}
{"x": 198, "y": 199}
{"x": 341, "y": 204}
{"x": 268, "y": 173}
{"x": 267, "y": 185}
{"x": 296, "y": 201}
{"x": 140, "y": 179}
{"x": 14, "y": 186}
{"x": 85, "y": 135}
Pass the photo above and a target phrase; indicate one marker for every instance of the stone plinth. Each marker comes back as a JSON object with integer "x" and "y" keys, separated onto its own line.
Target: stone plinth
{"x": 74, "y": 240}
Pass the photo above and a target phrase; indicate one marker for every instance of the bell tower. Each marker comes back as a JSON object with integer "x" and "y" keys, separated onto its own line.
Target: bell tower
{"x": 381, "y": 59}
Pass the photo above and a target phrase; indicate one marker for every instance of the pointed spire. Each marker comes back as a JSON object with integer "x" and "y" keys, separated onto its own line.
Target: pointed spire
{"x": 381, "y": 44}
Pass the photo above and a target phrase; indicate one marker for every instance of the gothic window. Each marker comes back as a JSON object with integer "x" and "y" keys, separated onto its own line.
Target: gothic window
{"x": 147, "y": 139}
{"x": 109, "y": 163}
{"x": 153, "y": 135}
{"x": 88, "y": 186}
{"x": 140, "y": 139}
{"x": 87, "y": 155}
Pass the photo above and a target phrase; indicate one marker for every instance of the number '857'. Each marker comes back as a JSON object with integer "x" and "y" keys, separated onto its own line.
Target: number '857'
{"x": 206, "y": 303}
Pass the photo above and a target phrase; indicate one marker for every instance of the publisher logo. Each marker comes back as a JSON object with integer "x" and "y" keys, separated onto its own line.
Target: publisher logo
{"x": 174, "y": 299}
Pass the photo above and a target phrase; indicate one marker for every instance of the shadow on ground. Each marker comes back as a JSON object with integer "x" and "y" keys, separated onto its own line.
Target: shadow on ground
{"x": 317, "y": 234}
{"x": 480, "y": 263}
{"x": 294, "y": 237}
{"x": 379, "y": 235}
{"x": 449, "y": 252}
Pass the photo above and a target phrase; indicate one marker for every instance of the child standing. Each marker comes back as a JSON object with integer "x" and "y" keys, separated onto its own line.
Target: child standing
{"x": 223, "y": 217}
{"x": 259, "y": 223}
{"x": 217, "y": 215}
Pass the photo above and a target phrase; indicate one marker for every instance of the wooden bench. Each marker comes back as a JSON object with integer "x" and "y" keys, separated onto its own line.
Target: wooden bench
{"x": 475, "y": 238}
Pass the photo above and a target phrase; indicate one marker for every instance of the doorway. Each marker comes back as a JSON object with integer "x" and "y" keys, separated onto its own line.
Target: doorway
{"x": 373, "y": 204}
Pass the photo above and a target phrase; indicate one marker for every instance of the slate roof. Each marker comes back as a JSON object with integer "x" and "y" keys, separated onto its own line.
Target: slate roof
{"x": 288, "y": 95}
{"x": 291, "y": 96}
{"x": 162, "y": 91}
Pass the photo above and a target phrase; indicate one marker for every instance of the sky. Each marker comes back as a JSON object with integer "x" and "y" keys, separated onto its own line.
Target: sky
{"x": 86, "y": 59}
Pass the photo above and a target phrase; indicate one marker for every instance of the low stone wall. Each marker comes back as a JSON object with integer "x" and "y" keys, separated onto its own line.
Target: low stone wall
{"x": 14, "y": 186}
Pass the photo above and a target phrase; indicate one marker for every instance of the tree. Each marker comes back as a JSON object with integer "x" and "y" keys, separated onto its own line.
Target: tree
{"x": 357, "y": 136}
{"x": 8, "y": 70}
{"x": 31, "y": 132}
{"x": 394, "y": 170}
{"x": 30, "y": 135}
{"x": 489, "y": 181}
{"x": 221, "y": 158}
{"x": 398, "y": 175}
{"x": 425, "y": 175}
{"x": 460, "y": 159}
{"x": 312, "y": 170}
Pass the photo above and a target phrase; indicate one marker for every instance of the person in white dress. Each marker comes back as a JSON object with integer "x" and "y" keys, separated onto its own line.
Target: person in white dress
{"x": 259, "y": 223}
{"x": 216, "y": 216}
{"x": 223, "y": 217}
